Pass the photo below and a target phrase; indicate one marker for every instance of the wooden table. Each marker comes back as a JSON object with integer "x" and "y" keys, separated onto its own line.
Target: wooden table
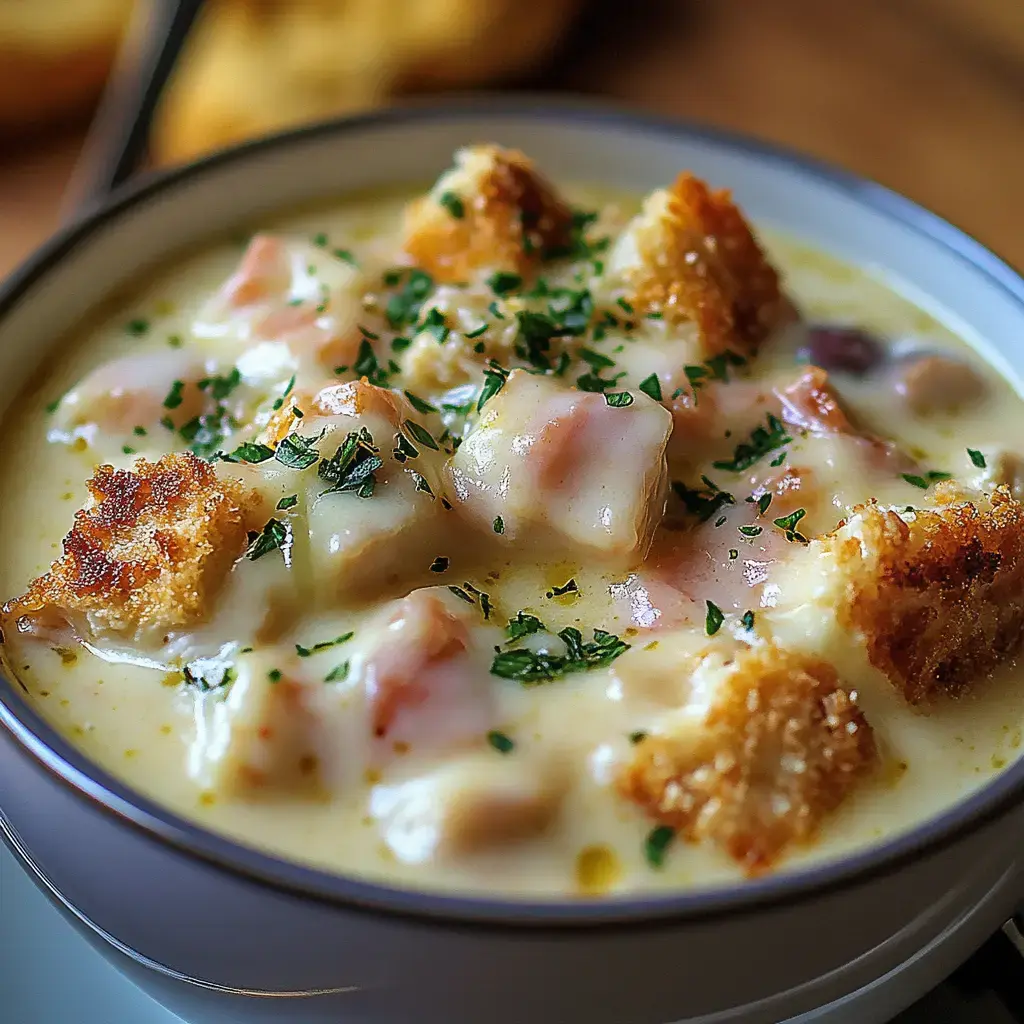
{"x": 926, "y": 96}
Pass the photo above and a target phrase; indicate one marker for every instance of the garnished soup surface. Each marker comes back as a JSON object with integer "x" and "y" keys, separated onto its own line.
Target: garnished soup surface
{"x": 521, "y": 537}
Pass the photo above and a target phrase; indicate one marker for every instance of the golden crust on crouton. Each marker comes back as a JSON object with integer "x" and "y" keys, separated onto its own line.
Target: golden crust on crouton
{"x": 938, "y": 596}
{"x": 782, "y": 745}
{"x": 146, "y": 555}
{"x": 700, "y": 262}
{"x": 508, "y": 218}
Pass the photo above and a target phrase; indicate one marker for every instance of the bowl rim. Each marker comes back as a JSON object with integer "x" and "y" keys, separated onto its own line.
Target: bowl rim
{"x": 41, "y": 743}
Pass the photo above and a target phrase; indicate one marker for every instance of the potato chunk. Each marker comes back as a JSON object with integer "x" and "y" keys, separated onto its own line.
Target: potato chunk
{"x": 769, "y": 744}
{"x": 691, "y": 256}
{"x": 467, "y": 807}
{"x": 146, "y": 556}
{"x": 936, "y": 595}
{"x": 491, "y": 211}
{"x": 369, "y": 529}
{"x": 565, "y": 467}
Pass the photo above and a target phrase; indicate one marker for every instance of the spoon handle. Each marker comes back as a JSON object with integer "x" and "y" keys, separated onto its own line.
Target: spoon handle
{"x": 117, "y": 141}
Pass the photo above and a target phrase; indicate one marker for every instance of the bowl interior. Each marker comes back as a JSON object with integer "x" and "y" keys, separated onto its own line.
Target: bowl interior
{"x": 949, "y": 273}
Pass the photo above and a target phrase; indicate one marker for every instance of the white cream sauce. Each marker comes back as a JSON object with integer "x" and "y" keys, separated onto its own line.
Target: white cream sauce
{"x": 408, "y": 809}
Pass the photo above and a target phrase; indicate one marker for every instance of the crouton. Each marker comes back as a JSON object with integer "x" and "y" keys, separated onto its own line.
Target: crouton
{"x": 937, "y": 596}
{"x": 146, "y": 555}
{"x": 491, "y": 211}
{"x": 779, "y": 745}
{"x": 691, "y": 256}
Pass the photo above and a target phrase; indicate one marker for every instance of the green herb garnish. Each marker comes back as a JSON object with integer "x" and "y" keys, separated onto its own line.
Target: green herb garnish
{"x": 305, "y": 652}
{"x": 714, "y": 618}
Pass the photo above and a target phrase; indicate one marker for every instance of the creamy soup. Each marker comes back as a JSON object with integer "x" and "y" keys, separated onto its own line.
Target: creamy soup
{"x": 521, "y": 537}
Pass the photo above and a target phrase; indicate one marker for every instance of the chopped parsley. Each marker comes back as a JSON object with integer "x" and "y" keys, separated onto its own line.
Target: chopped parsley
{"x": 522, "y": 625}
{"x": 714, "y": 618}
{"x": 453, "y": 204}
{"x": 637, "y": 737}
{"x": 137, "y": 327}
{"x": 404, "y": 307}
{"x": 651, "y": 386}
{"x": 475, "y": 333}
{"x": 174, "y": 396}
{"x": 298, "y": 452}
{"x": 127, "y": 449}
{"x": 762, "y": 441}
{"x": 596, "y": 360}
{"x": 345, "y": 256}
{"x": 750, "y": 531}
{"x": 434, "y": 324}
{"x": 978, "y": 458}
{"x": 503, "y": 283}
{"x": 418, "y": 404}
{"x": 763, "y": 502}
{"x": 439, "y": 564}
{"x": 595, "y": 382}
{"x": 421, "y": 434}
{"x": 289, "y": 502}
{"x": 570, "y": 587}
{"x": 498, "y": 525}
{"x": 494, "y": 380}
{"x": 618, "y": 399}
{"x": 305, "y": 652}
{"x": 579, "y": 247}
{"x": 528, "y": 666}
{"x": 789, "y": 523}
{"x": 924, "y": 482}
{"x": 139, "y": 431}
{"x": 250, "y": 451}
{"x": 220, "y": 387}
{"x": 352, "y": 466}
{"x": 174, "y": 340}
{"x": 703, "y": 503}
{"x": 273, "y": 536}
{"x": 461, "y": 594}
{"x": 475, "y": 595}
{"x": 366, "y": 365}
{"x": 747, "y": 620}
{"x": 337, "y": 674}
{"x": 278, "y": 402}
{"x": 658, "y": 840}
{"x": 274, "y": 675}
{"x": 501, "y": 743}
{"x": 205, "y": 684}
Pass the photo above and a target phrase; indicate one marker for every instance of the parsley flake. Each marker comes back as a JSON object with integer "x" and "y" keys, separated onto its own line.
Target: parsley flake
{"x": 714, "y": 618}
{"x": 501, "y": 743}
{"x": 439, "y": 564}
{"x": 298, "y": 452}
{"x": 421, "y": 434}
{"x": 762, "y": 441}
{"x": 523, "y": 625}
{"x": 788, "y": 523}
{"x": 570, "y": 587}
{"x": 924, "y": 482}
{"x": 498, "y": 525}
{"x": 352, "y": 467}
{"x": 618, "y": 399}
{"x": 702, "y": 503}
{"x": 323, "y": 645}
{"x": 503, "y": 283}
{"x": 418, "y": 404}
{"x": 658, "y": 840}
{"x": 337, "y": 674}
{"x": 274, "y": 535}
{"x": 747, "y": 620}
{"x": 174, "y": 396}
{"x": 651, "y": 386}
{"x": 453, "y": 204}
{"x": 289, "y": 502}
{"x": 978, "y": 458}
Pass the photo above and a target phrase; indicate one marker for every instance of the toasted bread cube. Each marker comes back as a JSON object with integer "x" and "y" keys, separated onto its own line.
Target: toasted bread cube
{"x": 146, "y": 556}
{"x": 491, "y": 211}
{"x": 691, "y": 257}
{"x": 467, "y": 807}
{"x": 769, "y": 744}
{"x": 565, "y": 468}
{"x": 937, "y": 596}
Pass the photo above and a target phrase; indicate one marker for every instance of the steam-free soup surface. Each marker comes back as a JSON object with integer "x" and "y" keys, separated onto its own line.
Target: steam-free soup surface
{"x": 535, "y": 539}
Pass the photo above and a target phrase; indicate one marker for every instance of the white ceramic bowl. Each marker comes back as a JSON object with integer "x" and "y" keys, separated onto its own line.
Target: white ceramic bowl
{"x": 215, "y": 929}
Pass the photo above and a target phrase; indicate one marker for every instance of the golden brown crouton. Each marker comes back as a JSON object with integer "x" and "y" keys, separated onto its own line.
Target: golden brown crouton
{"x": 938, "y": 596}
{"x": 492, "y": 211}
{"x": 146, "y": 555}
{"x": 781, "y": 746}
{"x": 697, "y": 260}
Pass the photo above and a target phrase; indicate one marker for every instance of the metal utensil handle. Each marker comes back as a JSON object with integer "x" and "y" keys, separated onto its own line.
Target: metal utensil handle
{"x": 117, "y": 141}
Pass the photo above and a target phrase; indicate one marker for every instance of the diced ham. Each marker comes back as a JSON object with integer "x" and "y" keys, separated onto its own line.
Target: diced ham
{"x": 565, "y": 468}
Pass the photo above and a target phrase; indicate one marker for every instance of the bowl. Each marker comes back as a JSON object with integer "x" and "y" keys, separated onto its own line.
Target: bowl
{"x": 219, "y": 931}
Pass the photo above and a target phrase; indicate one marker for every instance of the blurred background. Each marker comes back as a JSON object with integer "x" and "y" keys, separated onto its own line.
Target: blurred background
{"x": 926, "y": 96}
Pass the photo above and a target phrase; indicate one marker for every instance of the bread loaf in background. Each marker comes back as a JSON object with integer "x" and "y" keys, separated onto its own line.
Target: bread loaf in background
{"x": 255, "y": 66}
{"x": 54, "y": 57}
